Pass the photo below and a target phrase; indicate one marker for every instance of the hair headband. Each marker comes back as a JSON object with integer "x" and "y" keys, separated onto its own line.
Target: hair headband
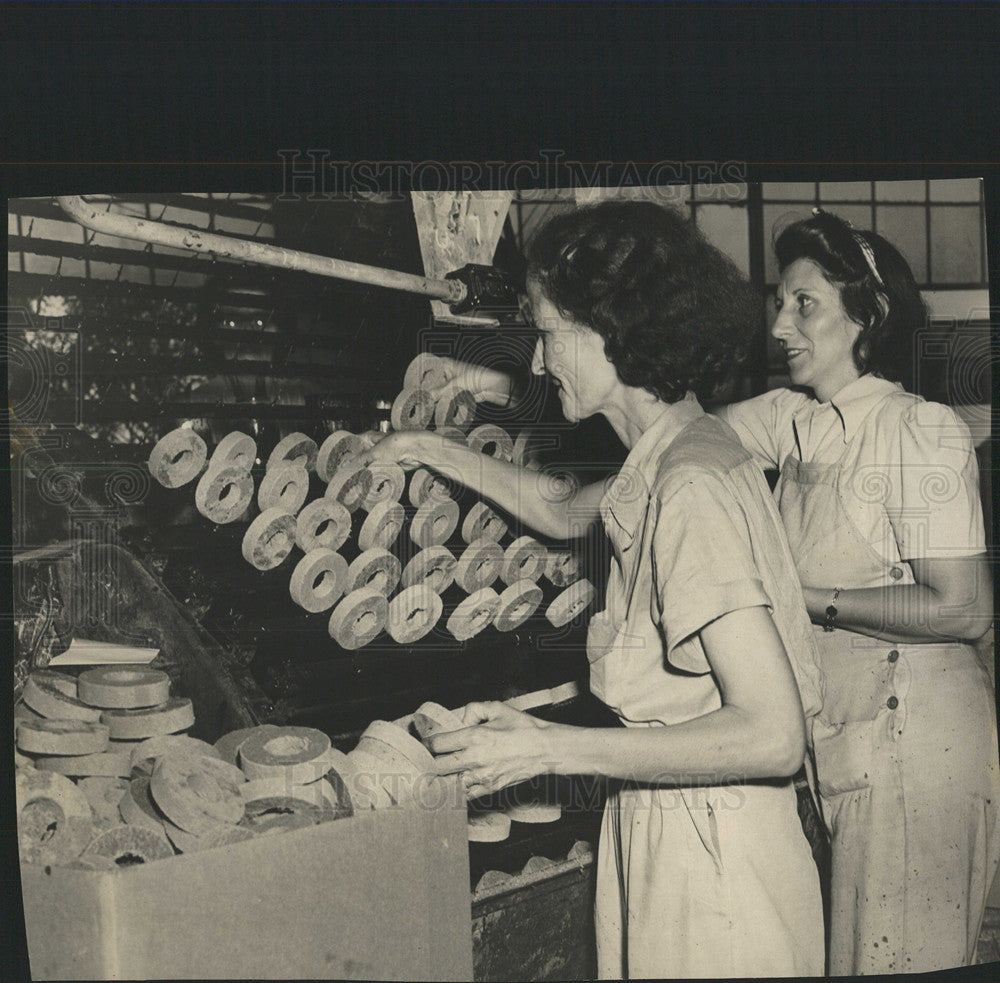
{"x": 866, "y": 250}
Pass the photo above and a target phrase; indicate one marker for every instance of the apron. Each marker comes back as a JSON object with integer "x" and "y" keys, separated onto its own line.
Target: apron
{"x": 687, "y": 884}
{"x": 906, "y": 758}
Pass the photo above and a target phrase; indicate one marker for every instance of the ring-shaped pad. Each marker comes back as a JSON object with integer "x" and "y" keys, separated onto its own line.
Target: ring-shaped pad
{"x": 488, "y": 827}
{"x": 137, "y": 807}
{"x": 571, "y": 602}
{"x": 224, "y": 493}
{"x": 48, "y": 699}
{"x": 102, "y": 764}
{"x": 319, "y": 580}
{"x": 479, "y": 565}
{"x": 177, "y": 457}
{"x": 426, "y": 371}
{"x": 104, "y": 792}
{"x": 124, "y": 687}
{"x": 269, "y": 539}
{"x": 517, "y": 603}
{"x": 524, "y": 559}
{"x": 296, "y": 448}
{"x": 349, "y": 486}
{"x": 62, "y": 681}
{"x": 133, "y": 844}
{"x": 54, "y": 821}
{"x": 402, "y": 742}
{"x": 413, "y": 612}
{"x": 142, "y": 759}
{"x": 333, "y": 450}
{"x": 455, "y": 408}
{"x": 434, "y": 566}
{"x": 426, "y": 484}
{"x": 236, "y": 449}
{"x": 382, "y": 526}
{"x": 474, "y": 614}
{"x": 359, "y": 618}
{"x": 325, "y": 523}
{"x": 62, "y": 737}
{"x": 482, "y": 522}
{"x": 284, "y": 487}
{"x": 432, "y": 718}
{"x": 413, "y": 409}
{"x": 388, "y": 481}
{"x": 434, "y": 522}
{"x": 376, "y": 568}
{"x": 197, "y": 793}
{"x": 492, "y": 436}
{"x": 367, "y": 787}
{"x": 295, "y": 754}
{"x": 562, "y": 568}
{"x": 228, "y": 745}
{"x": 129, "y": 725}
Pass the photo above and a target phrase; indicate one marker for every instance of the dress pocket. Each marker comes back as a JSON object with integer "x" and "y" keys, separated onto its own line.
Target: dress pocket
{"x": 605, "y": 656}
{"x": 845, "y": 755}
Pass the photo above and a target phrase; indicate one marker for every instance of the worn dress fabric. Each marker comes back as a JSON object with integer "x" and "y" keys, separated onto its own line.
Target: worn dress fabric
{"x": 905, "y": 742}
{"x": 712, "y": 880}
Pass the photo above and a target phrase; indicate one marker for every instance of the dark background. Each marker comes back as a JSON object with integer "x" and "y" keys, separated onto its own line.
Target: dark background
{"x": 169, "y": 96}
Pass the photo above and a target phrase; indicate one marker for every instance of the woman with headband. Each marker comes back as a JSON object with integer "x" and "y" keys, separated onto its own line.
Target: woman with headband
{"x": 879, "y": 497}
{"x": 703, "y": 650}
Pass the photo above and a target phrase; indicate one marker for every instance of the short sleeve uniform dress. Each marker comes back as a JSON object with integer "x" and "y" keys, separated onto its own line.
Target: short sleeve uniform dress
{"x": 712, "y": 880}
{"x": 905, "y": 742}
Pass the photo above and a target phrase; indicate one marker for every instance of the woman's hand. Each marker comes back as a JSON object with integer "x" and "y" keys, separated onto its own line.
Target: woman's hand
{"x": 499, "y": 746}
{"x": 486, "y": 385}
{"x": 402, "y": 447}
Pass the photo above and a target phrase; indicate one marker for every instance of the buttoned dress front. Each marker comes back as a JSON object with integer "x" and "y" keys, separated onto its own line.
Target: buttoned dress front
{"x": 905, "y": 743}
{"x": 713, "y": 879}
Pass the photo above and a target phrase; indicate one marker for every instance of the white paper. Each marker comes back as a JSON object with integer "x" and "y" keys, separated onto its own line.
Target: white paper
{"x": 83, "y": 652}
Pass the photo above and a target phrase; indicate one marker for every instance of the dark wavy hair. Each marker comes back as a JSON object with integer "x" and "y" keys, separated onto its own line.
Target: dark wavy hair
{"x": 675, "y": 314}
{"x": 889, "y": 312}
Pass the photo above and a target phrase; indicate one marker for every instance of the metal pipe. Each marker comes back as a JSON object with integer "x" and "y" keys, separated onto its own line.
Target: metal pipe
{"x": 261, "y": 253}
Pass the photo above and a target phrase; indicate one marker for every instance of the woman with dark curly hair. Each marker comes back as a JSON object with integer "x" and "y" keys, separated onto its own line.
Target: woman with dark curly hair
{"x": 704, "y": 649}
{"x": 879, "y": 497}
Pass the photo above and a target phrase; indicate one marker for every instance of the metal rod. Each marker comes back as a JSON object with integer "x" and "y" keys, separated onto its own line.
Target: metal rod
{"x": 263, "y": 254}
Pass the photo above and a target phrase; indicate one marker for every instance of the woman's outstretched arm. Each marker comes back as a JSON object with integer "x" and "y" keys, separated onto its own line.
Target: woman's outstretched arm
{"x": 552, "y": 505}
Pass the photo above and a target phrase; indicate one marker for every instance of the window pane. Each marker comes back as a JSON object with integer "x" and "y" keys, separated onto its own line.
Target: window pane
{"x": 795, "y": 190}
{"x": 955, "y": 244}
{"x": 860, "y": 216}
{"x": 906, "y": 229}
{"x": 533, "y": 215}
{"x": 900, "y": 190}
{"x": 725, "y": 226}
{"x": 845, "y": 190}
{"x": 724, "y": 191}
{"x": 965, "y": 189}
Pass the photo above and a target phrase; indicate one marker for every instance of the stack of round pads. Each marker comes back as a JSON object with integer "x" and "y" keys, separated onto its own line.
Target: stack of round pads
{"x": 485, "y": 825}
{"x": 106, "y": 776}
{"x": 371, "y": 590}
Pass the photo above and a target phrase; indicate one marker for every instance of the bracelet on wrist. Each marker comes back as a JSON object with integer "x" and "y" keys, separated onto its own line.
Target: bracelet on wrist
{"x": 831, "y": 611}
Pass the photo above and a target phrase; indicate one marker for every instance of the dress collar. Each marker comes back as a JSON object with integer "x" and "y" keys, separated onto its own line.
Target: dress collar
{"x": 852, "y": 403}
{"x": 628, "y": 494}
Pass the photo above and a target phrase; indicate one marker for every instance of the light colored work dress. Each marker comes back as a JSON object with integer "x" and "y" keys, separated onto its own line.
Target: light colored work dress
{"x": 906, "y": 742}
{"x": 711, "y": 880}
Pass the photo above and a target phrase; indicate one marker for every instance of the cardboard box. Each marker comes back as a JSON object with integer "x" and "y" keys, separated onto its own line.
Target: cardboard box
{"x": 380, "y": 896}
